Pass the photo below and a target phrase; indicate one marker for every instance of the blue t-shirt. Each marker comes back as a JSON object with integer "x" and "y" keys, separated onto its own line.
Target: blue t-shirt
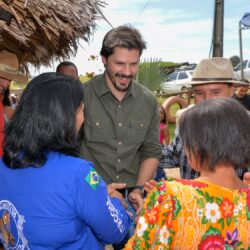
{"x": 62, "y": 205}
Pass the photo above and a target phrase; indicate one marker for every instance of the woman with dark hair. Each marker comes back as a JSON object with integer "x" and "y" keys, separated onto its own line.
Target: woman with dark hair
{"x": 212, "y": 211}
{"x": 49, "y": 197}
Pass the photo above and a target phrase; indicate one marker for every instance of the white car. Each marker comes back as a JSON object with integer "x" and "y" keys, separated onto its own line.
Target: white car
{"x": 177, "y": 81}
{"x": 246, "y": 70}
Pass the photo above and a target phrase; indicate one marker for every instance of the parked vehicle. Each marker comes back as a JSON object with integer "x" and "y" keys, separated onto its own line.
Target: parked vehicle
{"x": 177, "y": 81}
{"x": 246, "y": 70}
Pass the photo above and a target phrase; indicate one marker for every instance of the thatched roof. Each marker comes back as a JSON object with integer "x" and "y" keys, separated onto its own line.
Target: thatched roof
{"x": 39, "y": 31}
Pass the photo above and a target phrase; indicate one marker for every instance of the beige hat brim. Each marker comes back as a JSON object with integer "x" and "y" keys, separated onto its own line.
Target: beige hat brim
{"x": 234, "y": 82}
{"x": 13, "y": 77}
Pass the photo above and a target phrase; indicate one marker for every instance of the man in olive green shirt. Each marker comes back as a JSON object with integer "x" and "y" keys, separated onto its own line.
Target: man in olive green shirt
{"x": 121, "y": 130}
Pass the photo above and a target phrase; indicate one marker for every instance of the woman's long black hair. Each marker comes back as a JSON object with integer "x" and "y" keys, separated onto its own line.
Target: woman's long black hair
{"x": 44, "y": 121}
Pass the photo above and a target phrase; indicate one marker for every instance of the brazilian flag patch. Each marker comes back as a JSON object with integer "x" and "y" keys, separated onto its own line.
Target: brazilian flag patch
{"x": 92, "y": 179}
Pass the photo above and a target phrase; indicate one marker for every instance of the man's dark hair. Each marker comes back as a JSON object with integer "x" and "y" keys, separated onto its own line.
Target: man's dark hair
{"x": 124, "y": 37}
{"x": 44, "y": 121}
{"x": 217, "y": 131}
{"x": 66, "y": 64}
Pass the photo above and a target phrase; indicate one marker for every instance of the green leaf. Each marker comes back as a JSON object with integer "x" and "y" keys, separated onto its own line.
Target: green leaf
{"x": 238, "y": 244}
{"x": 228, "y": 220}
{"x": 247, "y": 212}
{"x": 213, "y": 231}
{"x": 200, "y": 203}
{"x": 157, "y": 242}
{"x": 204, "y": 220}
{"x": 170, "y": 239}
{"x": 200, "y": 192}
{"x": 177, "y": 207}
{"x": 208, "y": 198}
{"x": 148, "y": 246}
{"x": 236, "y": 200}
{"x": 150, "y": 73}
{"x": 221, "y": 222}
{"x": 218, "y": 200}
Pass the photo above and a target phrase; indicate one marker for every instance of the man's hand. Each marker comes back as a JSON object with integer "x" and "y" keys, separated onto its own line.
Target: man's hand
{"x": 112, "y": 192}
{"x": 136, "y": 199}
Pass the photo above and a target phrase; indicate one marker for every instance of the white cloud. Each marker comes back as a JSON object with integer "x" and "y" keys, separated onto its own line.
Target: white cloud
{"x": 174, "y": 31}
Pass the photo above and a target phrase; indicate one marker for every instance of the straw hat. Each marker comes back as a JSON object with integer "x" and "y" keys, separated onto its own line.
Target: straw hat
{"x": 9, "y": 67}
{"x": 215, "y": 70}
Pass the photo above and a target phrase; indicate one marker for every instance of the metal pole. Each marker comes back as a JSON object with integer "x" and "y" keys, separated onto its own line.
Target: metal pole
{"x": 218, "y": 28}
{"x": 241, "y": 52}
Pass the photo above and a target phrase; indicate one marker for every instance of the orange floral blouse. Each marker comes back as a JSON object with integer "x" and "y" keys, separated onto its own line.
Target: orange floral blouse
{"x": 192, "y": 214}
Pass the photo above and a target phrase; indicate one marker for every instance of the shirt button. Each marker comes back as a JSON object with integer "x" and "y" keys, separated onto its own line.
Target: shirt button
{"x": 117, "y": 177}
{"x": 119, "y": 106}
{"x": 119, "y": 160}
{"x": 119, "y": 124}
{"x": 97, "y": 123}
{"x": 142, "y": 125}
{"x": 119, "y": 143}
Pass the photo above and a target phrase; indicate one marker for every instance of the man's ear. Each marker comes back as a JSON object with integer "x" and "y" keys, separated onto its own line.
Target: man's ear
{"x": 104, "y": 61}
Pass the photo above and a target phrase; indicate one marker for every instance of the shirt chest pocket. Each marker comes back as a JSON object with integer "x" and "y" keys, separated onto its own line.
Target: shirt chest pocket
{"x": 139, "y": 130}
{"x": 97, "y": 129}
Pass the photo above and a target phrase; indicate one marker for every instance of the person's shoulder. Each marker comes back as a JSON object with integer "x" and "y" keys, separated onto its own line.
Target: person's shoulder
{"x": 234, "y": 96}
{"x": 248, "y": 97}
{"x": 69, "y": 163}
{"x": 95, "y": 80}
{"x": 142, "y": 88}
{"x": 183, "y": 185}
{"x": 143, "y": 91}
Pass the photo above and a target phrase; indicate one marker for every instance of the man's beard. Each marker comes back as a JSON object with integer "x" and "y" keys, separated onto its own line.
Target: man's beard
{"x": 116, "y": 84}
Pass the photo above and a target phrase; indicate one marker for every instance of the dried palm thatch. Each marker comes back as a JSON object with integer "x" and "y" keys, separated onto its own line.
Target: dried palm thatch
{"x": 39, "y": 31}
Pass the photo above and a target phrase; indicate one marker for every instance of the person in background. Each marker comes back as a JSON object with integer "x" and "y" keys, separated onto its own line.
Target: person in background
{"x": 48, "y": 195}
{"x": 164, "y": 139}
{"x": 121, "y": 132}
{"x": 8, "y": 110}
{"x": 9, "y": 71}
{"x": 164, "y": 130}
{"x": 212, "y": 78}
{"x": 212, "y": 211}
{"x": 241, "y": 95}
{"x": 14, "y": 100}
{"x": 68, "y": 68}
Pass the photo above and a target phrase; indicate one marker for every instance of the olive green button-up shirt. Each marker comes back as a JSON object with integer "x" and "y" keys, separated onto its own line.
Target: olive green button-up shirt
{"x": 118, "y": 135}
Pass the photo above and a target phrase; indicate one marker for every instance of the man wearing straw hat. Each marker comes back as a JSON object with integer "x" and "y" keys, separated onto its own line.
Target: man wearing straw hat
{"x": 9, "y": 71}
{"x": 212, "y": 78}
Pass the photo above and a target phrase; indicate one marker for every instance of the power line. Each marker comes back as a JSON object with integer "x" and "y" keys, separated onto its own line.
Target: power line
{"x": 144, "y": 7}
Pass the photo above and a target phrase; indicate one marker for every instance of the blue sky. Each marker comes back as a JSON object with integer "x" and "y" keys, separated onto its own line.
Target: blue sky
{"x": 175, "y": 30}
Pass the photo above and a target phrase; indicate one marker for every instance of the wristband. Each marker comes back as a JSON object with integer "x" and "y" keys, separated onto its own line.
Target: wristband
{"x": 138, "y": 187}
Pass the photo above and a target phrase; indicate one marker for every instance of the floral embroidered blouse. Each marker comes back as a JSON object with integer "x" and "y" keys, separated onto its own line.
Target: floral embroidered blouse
{"x": 192, "y": 214}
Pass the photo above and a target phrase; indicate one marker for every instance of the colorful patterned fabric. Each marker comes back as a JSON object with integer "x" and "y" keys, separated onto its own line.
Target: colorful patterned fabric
{"x": 192, "y": 214}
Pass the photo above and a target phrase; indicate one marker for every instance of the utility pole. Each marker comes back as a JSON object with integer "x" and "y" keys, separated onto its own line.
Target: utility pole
{"x": 218, "y": 29}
